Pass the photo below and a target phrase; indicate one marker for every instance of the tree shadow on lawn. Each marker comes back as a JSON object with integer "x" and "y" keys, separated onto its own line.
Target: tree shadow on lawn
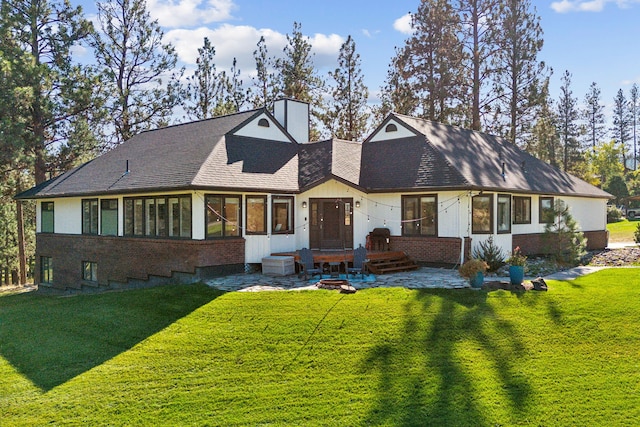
{"x": 50, "y": 340}
{"x": 427, "y": 377}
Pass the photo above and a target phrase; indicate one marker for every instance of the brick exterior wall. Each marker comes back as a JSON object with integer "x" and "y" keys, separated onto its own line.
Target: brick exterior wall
{"x": 122, "y": 258}
{"x": 431, "y": 250}
{"x": 533, "y": 244}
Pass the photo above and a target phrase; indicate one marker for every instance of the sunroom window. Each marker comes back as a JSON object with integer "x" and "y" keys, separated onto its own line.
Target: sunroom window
{"x": 223, "y": 216}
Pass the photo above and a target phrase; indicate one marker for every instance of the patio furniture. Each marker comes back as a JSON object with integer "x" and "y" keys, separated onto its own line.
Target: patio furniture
{"x": 359, "y": 258}
{"x": 307, "y": 266}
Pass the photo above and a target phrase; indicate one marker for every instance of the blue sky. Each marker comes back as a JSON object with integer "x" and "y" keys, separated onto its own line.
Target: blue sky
{"x": 596, "y": 40}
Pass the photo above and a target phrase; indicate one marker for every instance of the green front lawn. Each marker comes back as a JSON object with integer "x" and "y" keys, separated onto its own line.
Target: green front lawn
{"x": 622, "y": 231}
{"x": 191, "y": 355}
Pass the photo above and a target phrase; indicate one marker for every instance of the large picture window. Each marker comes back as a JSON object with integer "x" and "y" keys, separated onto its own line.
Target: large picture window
{"x": 419, "y": 215}
{"x": 282, "y": 214}
{"x": 504, "y": 213}
{"x": 164, "y": 216}
{"x": 109, "y": 217}
{"x": 521, "y": 210}
{"x": 223, "y": 216}
{"x": 546, "y": 210}
{"x": 256, "y": 215}
{"x": 482, "y": 214}
{"x": 90, "y": 216}
{"x": 46, "y": 217}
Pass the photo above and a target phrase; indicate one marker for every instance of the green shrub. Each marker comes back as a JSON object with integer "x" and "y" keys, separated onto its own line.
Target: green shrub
{"x": 614, "y": 214}
{"x": 636, "y": 234}
{"x": 490, "y": 253}
{"x": 564, "y": 241}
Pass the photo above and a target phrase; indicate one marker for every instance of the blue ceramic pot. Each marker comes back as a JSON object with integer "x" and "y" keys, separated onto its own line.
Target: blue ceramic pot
{"x": 477, "y": 280}
{"x": 516, "y": 274}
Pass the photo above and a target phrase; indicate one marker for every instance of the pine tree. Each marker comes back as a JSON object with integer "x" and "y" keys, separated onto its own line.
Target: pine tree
{"x": 298, "y": 77}
{"x": 634, "y": 107}
{"x": 432, "y": 62}
{"x": 61, "y": 90}
{"x": 480, "y": 33}
{"x": 621, "y": 129}
{"x": 205, "y": 86}
{"x": 265, "y": 84}
{"x": 520, "y": 76}
{"x": 347, "y": 116}
{"x": 134, "y": 60}
{"x": 396, "y": 95}
{"x": 593, "y": 114}
{"x": 568, "y": 128}
{"x": 545, "y": 143}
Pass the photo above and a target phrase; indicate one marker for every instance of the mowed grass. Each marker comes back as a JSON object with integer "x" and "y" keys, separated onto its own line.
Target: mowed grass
{"x": 190, "y": 355}
{"x": 622, "y": 231}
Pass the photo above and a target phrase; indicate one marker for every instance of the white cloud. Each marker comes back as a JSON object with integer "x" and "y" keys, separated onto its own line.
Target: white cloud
{"x": 188, "y": 13}
{"x": 566, "y": 6}
{"x": 239, "y": 41}
{"x": 403, "y": 24}
{"x": 370, "y": 34}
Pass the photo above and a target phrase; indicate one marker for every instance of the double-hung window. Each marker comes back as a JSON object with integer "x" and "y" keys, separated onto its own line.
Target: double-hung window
{"x": 90, "y": 216}
{"x": 521, "y": 210}
{"x": 109, "y": 217}
{"x": 419, "y": 215}
{"x": 546, "y": 210}
{"x": 282, "y": 214}
{"x": 223, "y": 216}
{"x": 256, "y": 221}
{"x": 482, "y": 214}
{"x": 46, "y": 217}
{"x": 504, "y": 213}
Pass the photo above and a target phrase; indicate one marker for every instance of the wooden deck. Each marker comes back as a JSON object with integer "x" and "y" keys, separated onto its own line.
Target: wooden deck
{"x": 378, "y": 262}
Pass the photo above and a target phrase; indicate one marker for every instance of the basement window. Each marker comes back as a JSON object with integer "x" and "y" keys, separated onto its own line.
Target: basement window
{"x": 90, "y": 271}
{"x": 46, "y": 270}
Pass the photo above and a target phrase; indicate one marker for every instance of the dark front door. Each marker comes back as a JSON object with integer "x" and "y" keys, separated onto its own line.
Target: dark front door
{"x": 331, "y": 224}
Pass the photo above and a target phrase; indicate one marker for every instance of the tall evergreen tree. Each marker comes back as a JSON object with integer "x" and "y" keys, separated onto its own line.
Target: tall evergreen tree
{"x": 520, "y": 76}
{"x": 432, "y": 62}
{"x": 593, "y": 114}
{"x": 298, "y": 76}
{"x": 134, "y": 60}
{"x": 265, "y": 82}
{"x": 568, "y": 128}
{"x": 480, "y": 34}
{"x": 634, "y": 107}
{"x": 61, "y": 89}
{"x": 545, "y": 143}
{"x": 621, "y": 129}
{"x": 396, "y": 94}
{"x": 204, "y": 87}
{"x": 347, "y": 115}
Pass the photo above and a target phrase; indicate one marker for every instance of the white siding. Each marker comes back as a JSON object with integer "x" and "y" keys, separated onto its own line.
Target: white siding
{"x": 272, "y": 132}
{"x": 383, "y": 135}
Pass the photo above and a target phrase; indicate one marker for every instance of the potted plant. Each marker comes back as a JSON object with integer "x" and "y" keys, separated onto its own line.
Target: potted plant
{"x": 474, "y": 270}
{"x": 517, "y": 263}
